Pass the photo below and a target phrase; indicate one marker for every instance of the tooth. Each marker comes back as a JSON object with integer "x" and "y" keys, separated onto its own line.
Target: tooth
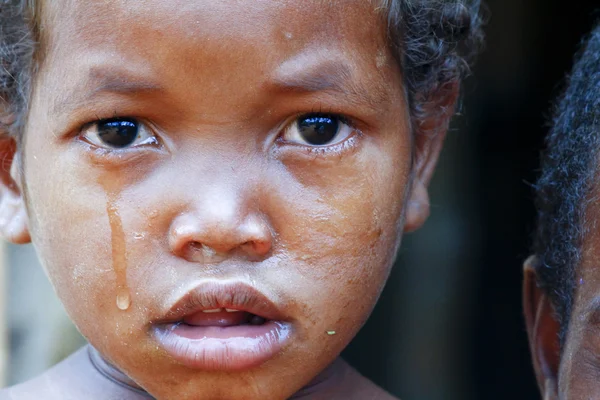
{"x": 231, "y": 310}
{"x": 216, "y": 310}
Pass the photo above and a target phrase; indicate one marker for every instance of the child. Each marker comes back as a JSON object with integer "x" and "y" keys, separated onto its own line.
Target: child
{"x": 217, "y": 189}
{"x": 562, "y": 281}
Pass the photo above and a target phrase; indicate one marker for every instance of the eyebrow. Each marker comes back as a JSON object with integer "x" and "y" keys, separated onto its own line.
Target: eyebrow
{"x": 315, "y": 78}
{"x": 105, "y": 80}
{"x": 308, "y": 76}
{"x": 297, "y": 75}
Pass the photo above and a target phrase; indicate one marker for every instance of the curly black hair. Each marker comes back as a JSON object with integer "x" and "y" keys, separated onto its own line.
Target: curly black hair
{"x": 433, "y": 40}
{"x": 566, "y": 179}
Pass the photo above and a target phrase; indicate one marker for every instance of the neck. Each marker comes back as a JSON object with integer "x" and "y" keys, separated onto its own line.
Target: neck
{"x": 324, "y": 382}
{"x": 113, "y": 374}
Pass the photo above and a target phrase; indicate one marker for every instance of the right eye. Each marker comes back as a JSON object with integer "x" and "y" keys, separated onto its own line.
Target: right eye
{"x": 118, "y": 133}
{"x": 318, "y": 130}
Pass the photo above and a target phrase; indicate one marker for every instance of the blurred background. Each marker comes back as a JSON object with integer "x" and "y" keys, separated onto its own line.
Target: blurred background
{"x": 449, "y": 324}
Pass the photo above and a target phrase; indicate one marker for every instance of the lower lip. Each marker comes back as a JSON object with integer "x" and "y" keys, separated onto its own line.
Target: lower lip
{"x": 231, "y": 348}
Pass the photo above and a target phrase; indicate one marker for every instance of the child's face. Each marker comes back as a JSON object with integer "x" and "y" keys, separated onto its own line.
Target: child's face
{"x": 243, "y": 188}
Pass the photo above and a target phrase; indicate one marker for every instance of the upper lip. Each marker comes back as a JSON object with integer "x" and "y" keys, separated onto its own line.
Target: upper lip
{"x": 213, "y": 295}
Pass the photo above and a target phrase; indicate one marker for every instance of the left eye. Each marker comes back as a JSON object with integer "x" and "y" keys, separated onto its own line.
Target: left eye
{"x": 118, "y": 133}
{"x": 318, "y": 130}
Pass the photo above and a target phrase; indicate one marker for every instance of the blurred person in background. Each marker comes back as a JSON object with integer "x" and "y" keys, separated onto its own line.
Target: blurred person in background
{"x": 562, "y": 279}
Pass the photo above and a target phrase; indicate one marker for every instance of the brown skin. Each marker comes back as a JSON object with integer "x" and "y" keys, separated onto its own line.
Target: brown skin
{"x": 219, "y": 86}
{"x": 543, "y": 332}
{"x": 574, "y": 372}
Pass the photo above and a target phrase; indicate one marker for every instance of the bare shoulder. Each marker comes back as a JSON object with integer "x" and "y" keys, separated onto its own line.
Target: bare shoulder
{"x": 73, "y": 379}
{"x": 57, "y": 383}
{"x": 38, "y": 388}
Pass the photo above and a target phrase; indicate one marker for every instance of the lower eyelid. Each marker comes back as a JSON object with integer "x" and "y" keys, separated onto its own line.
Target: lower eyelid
{"x": 105, "y": 157}
{"x": 351, "y": 143}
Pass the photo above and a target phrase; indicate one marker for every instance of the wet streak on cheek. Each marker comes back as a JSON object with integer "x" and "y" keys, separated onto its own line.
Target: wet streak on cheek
{"x": 118, "y": 245}
{"x": 119, "y": 258}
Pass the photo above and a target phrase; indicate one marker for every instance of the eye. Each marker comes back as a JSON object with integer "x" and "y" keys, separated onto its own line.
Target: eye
{"x": 318, "y": 130}
{"x": 118, "y": 133}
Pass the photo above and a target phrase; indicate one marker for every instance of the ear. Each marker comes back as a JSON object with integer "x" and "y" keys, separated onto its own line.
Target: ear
{"x": 13, "y": 214}
{"x": 543, "y": 330}
{"x": 429, "y": 132}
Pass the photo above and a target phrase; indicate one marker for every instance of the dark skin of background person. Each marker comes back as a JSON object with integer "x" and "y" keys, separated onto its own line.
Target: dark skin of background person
{"x": 562, "y": 280}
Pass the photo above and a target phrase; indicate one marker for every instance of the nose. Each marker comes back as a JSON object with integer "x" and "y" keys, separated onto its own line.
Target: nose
{"x": 218, "y": 229}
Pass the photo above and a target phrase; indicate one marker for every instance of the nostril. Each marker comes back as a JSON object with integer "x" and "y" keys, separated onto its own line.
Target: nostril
{"x": 200, "y": 252}
{"x": 210, "y": 240}
{"x": 257, "y": 247}
{"x": 195, "y": 246}
{"x": 206, "y": 251}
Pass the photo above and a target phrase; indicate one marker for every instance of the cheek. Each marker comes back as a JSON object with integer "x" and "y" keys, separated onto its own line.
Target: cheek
{"x": 72, "y": 235}
{"x": 340, "y": 224}
{"x": 579, "y": 372}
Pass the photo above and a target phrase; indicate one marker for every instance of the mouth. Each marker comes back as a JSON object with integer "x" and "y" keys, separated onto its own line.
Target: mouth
{"x": 223, "y": 327}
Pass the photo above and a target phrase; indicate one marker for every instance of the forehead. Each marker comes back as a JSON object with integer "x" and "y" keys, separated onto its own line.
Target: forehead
{"x": 212, "y": 23}
{"x": 229, "y": 48}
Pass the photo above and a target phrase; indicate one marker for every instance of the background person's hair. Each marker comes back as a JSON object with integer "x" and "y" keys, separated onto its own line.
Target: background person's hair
{"x": 569, "y": 165}
{"x": 433, "y": 40}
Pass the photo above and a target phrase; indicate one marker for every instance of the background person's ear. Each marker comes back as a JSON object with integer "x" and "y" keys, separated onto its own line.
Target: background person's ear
{"x": 430, "y": 132}
{"x": 14, "y": 225}
{"x": 543, "y": 330}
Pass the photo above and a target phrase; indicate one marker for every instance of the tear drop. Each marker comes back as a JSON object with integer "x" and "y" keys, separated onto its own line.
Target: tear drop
{"x": 123, "y": 301}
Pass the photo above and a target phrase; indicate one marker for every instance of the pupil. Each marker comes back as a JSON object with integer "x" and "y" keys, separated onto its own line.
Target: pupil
{"x": 318, "y": 129}
{"x": 118, "y": 133}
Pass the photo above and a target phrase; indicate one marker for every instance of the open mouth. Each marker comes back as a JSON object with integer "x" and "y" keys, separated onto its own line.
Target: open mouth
{"x": 223, "y": 327}
{"x": 224, "y": 317}
{"x": 220, "y": 323}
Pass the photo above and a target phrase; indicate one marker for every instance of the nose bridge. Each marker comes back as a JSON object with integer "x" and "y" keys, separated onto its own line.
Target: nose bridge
{"x": 222, "y": 208}
{"x": 220, "y": 189}
{"x": 221, "y": 215}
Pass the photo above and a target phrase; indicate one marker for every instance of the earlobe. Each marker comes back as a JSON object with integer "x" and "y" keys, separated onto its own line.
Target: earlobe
{"x": 417, "y": 207}
{"x": 543, "y": 330}
{"x": 13, "y": 214}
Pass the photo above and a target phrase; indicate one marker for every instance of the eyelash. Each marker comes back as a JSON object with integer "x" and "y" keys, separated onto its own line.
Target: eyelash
{"x": 110, "y": 155}
{"x": 317, "y": 150}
